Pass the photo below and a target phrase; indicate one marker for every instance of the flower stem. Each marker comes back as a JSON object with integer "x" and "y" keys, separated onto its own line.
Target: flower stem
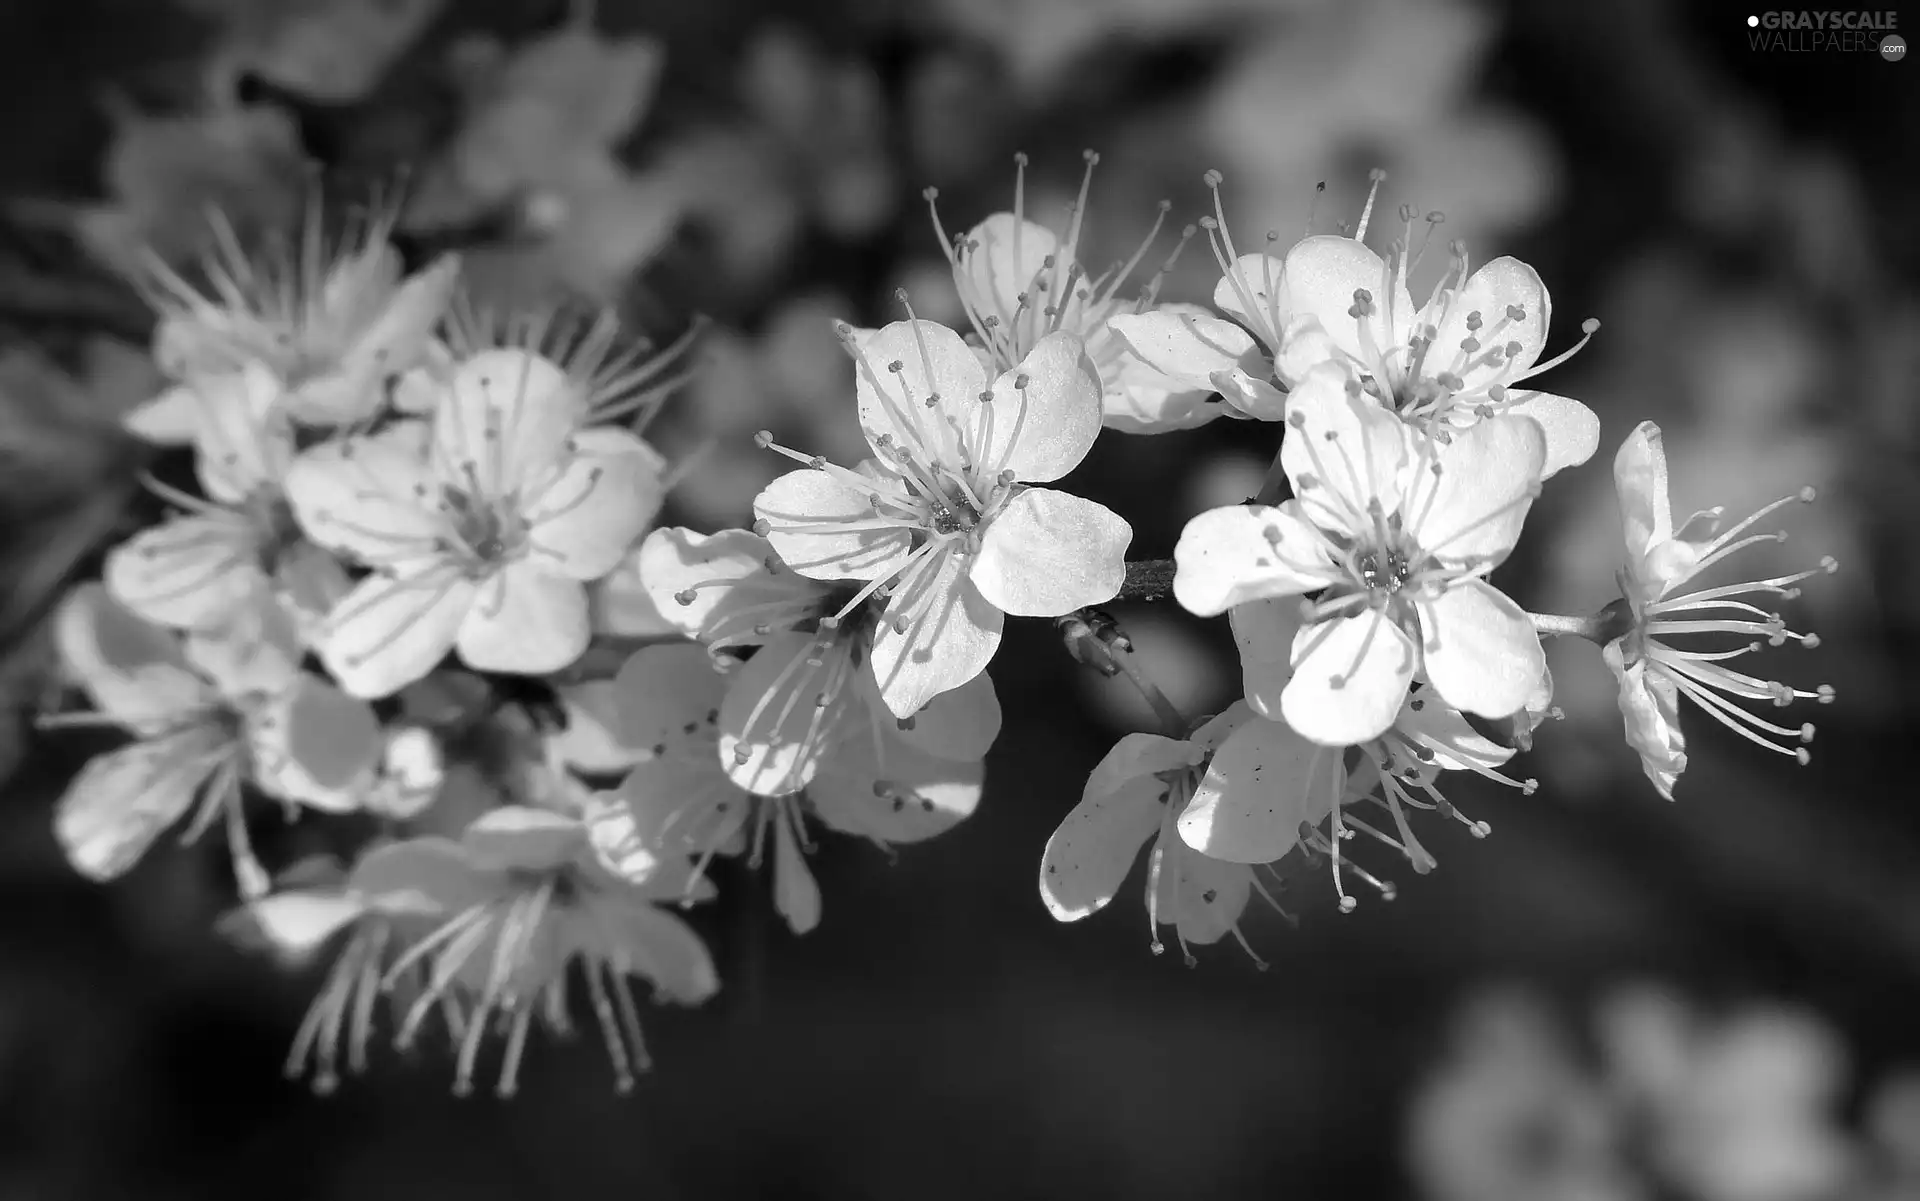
{"x": 1269, "y": 493}
{"x": 1172, "y": 720}
{"x": 1147, "y": 580}
{"x": 1094, "y": 638}
{"x": 1551, "y": 625}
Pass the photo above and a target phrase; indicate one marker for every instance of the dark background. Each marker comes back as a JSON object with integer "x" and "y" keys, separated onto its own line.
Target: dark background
{"x": 1743, "y": 224}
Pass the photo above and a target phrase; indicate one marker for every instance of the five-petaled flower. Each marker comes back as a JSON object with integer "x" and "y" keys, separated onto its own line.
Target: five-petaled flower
{"x": 232, "y": 557}
{"x": 1018, "y": 282}
{"x": 334, "y": 323}
{"x": 807, "y": 679}
{"x": 870, "y": 780}
{"x": 945, "y": 518}
{"x": 1457, "y": 359}
{"x": 1393, "y": 532}
{"x": 518, "y": 901}
{"x": 206, "y": 721}
{"x": 1143, "y": 792}
{"x": 482, "y": 528}
{"x": 1637, "y": 631}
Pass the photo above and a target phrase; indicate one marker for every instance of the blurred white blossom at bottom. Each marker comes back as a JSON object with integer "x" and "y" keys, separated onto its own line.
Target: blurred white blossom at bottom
{"x": 1676, "y": 1101}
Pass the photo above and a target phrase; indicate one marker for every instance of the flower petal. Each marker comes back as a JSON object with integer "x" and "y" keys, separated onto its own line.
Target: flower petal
{"x": 680, "y": 805}
{"x": 520, "y": 837}
{"x": 1239, "y": 553}
{"x": 187, "y": 572}
{"x": 1200, "y": 896}
{"x": 668, "y": 695}
{"x": 422, "y": 875}
{"x": 796, "y": 894}
{"x": 169, "y": 419}
{"x": 1000, "y": 260}
{"x": 1043, "y": 416}
{"x": 1260, "y": 786}
{"x": 710, "y": 585}
{"x": 1252, "y": 291}
{"x": 1090, "y": 855}
{"x": 121, "y": 801}
{"x": 780, "y": 714}
{"x": 826, "y": 529}
{"x": 937, "y": 633}
{"x": 1640, "y": 480}
{"x": 654, "y": 944}
{"x": 1480, "y": 649}
{"x": 1047, "y": 552}
{"x": 526, "y": 622}
{"x": 1186, "y": 343}
{"x": 588, "y": 514}
{"x": 1137, "y": 756}
{"x": 1342, "y": 452}
{"x": 959, "y": 724}
{"x": 1265, "y": 631}
{"x": 316, "y": 746}
{"x": 506, "y": 419}
{"x": 1572, "y": 430}
{"x": 1428, "y": 721}
{"x": 135, "y": 671}
{"x": 392, "y": 630}
{"x": 1323, "y": 273}
{"x": 293, "y": 925}
{"x": 1498, "y": 286}
{"x": 898, "y": 796}
{"x": 1650, "y": 707}
{"x": 1467, "y": 504}
{"x": 1350, "y": 675}
{"x": 893, "y": 406}
{"x": 243, "y": 444}
{"x": 401, "y": 337}
{"x": 1249, "y": 395}
{"x": 367, "y": 498}
{"x": 592, "y": 741}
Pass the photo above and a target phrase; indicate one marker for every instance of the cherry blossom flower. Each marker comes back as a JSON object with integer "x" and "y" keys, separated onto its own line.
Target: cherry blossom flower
{"x": 373, "y": 913}
{"x": 482, "y": 527}
{"x": 1264, "y": 784}
{"x": 205, "y": 722}
{"x": 1394, "y": 533}
{"x": 1019, "y": 282}
{"x": 946, "y": 519}
{"x": 810, "y": 677}
{"x": 1251, "y": 356}
{"x": 872, "y": 780}
{"x": 519, "y": 900}
{"x": 1459, "y": 358}
{"x": 231, "y": 558}
{"x": 332, "y": 323}
{"x": 1637, "y": 632}
{"x": 1141, "y": 793}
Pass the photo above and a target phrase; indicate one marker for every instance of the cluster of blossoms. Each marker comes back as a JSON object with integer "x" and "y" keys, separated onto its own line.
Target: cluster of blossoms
{"x": 419, "y": 581}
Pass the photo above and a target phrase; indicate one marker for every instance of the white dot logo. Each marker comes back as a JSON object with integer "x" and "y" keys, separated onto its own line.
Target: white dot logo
{"x": 1753, "y": 22}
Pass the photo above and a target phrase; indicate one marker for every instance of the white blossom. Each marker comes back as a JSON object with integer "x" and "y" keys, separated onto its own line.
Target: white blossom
{"x": 946, "y": 517}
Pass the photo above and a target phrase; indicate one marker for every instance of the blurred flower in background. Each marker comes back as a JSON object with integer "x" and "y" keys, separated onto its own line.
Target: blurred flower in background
{"x": 1675, "y": 1099}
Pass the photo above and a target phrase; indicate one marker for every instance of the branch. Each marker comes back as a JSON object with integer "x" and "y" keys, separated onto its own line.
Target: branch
{"x": 1147, "y": 580}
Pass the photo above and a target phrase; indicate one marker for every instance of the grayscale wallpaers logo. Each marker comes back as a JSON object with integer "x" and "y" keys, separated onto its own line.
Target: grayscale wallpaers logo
{"x": 1805, "y": 31}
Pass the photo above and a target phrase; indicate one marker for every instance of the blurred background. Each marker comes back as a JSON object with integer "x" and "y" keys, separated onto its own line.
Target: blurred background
{"x": 1612, "y": 997}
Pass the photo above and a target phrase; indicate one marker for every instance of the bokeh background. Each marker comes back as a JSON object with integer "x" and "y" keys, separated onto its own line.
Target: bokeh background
{"x": 1611, "y": 998}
